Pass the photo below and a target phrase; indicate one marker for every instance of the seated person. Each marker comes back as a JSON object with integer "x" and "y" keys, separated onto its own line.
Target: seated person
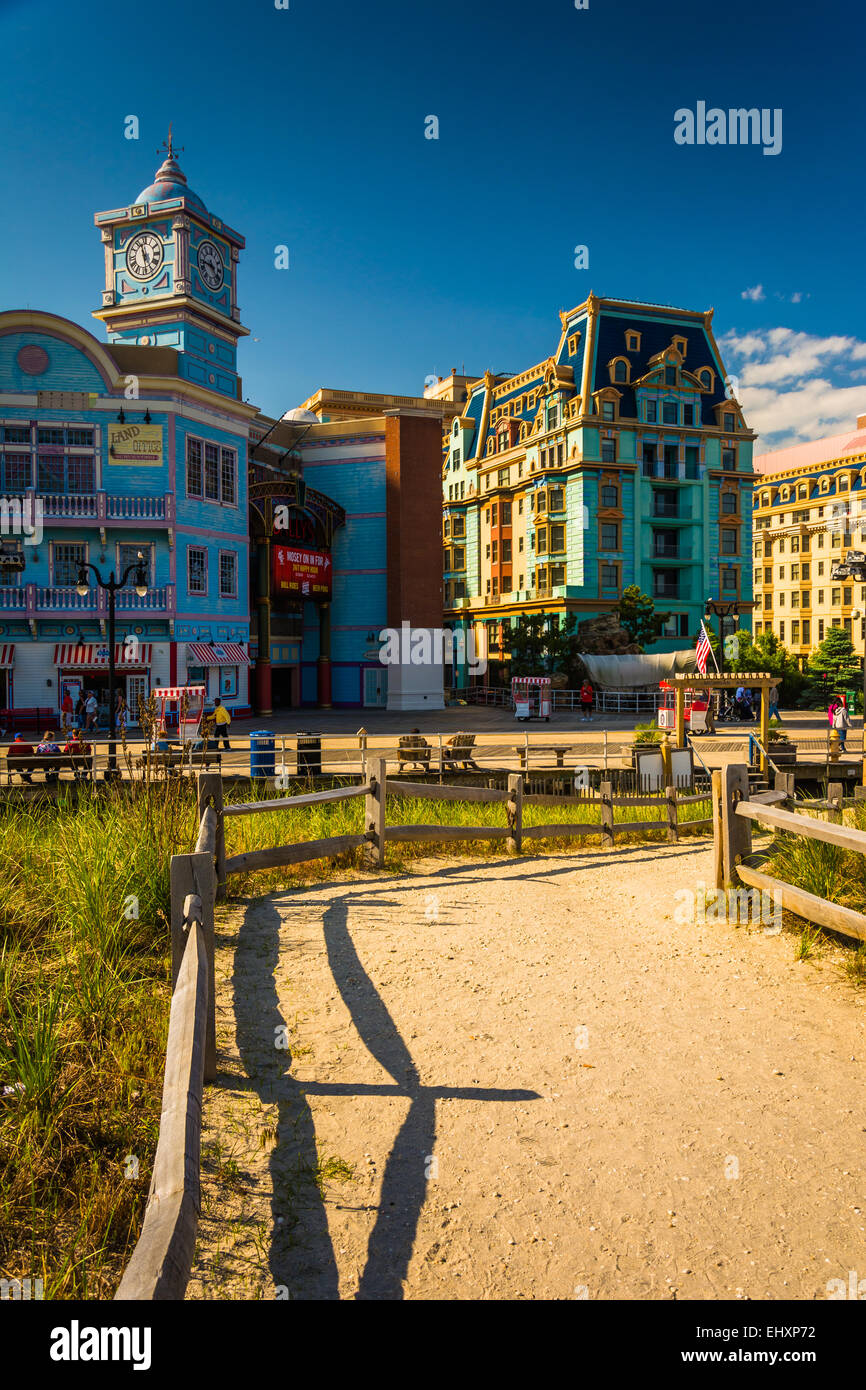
{"x": 48, "y": 744}
{"x": 19, "y": 749}
{"x": 75, "y": 743}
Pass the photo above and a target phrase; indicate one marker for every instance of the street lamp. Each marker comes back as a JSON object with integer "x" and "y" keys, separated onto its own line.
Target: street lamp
{"x": 723, "y": 611}
{"x": 111, "y": 586}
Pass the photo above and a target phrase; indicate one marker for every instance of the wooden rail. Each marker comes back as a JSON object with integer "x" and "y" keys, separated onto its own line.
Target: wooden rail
{"x": 735, "y": 810}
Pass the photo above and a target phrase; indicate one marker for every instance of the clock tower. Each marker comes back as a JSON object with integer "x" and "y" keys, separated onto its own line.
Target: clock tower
{"x": 171, "y": 278}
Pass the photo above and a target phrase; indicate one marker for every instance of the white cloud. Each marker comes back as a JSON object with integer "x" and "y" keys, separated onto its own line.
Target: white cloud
{"x": 796, "y": 386}
{"x": 756, "y": 293}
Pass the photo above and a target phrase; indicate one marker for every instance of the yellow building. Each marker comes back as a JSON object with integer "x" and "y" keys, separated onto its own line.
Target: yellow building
{"x": 809, "y": 512}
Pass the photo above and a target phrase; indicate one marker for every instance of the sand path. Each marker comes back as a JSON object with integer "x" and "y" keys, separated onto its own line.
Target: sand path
{"x": 543, "y": 1084}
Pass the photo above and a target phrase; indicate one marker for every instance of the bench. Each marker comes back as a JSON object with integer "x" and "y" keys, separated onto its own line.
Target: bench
{"x": 458, "y": 752}
{"x": 415, "y": 751}
{"x": 559, "y": 750}
{"x": 172, "y": 760}
{"x": 80, "y": 764}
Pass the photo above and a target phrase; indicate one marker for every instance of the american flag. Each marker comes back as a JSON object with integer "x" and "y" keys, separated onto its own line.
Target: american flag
{"x": 702, "y": 651}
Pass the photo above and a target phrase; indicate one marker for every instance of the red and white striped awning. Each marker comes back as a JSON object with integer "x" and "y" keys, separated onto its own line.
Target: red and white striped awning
{"x": 216, "y": 654}
{"x": 93, "y": 656}
{"x": 177, "y": 692}
{"x": 530, "y": 680}
{"x": 7, "y": 655}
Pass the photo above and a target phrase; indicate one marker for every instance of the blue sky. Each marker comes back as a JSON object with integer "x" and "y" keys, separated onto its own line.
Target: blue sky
{"x": 306, "y": 127}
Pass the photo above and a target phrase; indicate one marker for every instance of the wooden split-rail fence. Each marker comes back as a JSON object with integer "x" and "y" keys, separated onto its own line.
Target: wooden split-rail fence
{"x": 736, "y": 809}
{"x": 160, "y": 1265}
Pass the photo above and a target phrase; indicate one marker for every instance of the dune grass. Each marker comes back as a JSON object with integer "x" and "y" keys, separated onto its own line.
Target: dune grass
{"x": 85, "y": 995}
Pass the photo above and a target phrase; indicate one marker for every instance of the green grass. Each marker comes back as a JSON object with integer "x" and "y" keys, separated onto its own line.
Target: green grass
{"x": 85, "y": 996}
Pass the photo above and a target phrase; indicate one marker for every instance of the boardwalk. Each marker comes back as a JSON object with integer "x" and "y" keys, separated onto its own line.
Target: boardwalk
{"x": 543, "y": 1086}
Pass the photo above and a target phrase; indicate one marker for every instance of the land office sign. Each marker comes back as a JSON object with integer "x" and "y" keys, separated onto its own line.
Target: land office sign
{"x": 140, "y": 444}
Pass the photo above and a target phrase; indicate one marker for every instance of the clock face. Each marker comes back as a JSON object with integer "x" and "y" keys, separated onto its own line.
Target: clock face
{"x": 144, "y": 255}
{"x": 210, "y": 264}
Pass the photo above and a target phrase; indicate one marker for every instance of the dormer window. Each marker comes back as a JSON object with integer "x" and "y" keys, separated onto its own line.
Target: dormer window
{"x": 680, "y": 345}
{"x": 619, "y": 370}
{"x": 573, "y": 343}
{"x": 670, "y": 375}
{"x": 632, "y": 340}
{"x": 706, "y": 376}
{"x": 730, "y": 421}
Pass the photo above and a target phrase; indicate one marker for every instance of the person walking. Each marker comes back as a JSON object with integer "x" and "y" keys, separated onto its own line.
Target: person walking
{"x": 587, "y": 696}
{"x": 67, "y": 709}
{"x": 91, "y": 710}
{"x": 842, "y": 723}
{"x": 222, "y": 720}
{"x": 120, "y": 711}
{"x": 831, "y": 709}
{"x": 773, "y": 704}
{"x": 79, "y": 715}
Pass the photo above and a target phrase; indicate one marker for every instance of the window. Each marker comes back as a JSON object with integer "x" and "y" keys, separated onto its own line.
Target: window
{"x": 610, "y": 576}
{"x": 494, "y": 514}
{"x": 16, "y": 434}
{"x": 652, "y": 412}
{"x": 609, "y": 536}
{"x": 495, "y": 555}
{"x": 211, "y": 473}
{"x": 228, "y": 574}
{"x": 609, "y": 495}
{"x": 73, "y": 473}
{"x": 669, "y": 412}
{"x": 193, "y": 468}
{"x": 17, "y": 472}
{"x": 729, "y": 541}
{"x": 795, "y": 634}
{"x": 459, "y": 558}
{"x": 730, "y": 423}
{"x": 79, "y": 438}
{"x": 806, "y": 638}
{"x": 835, "y": 596}
{"x": 632, "y": 342}
{"x": 506, "y": 514}
{"x": 67, "y": 561}
{"x": 49, "y": 436}
{"x": 781, "y": 632}
{"x": 228, "y": 477}
{"x": 620, "y": 371}
{"x": 729, "y": 460}
{"x": 729, "y": 503}
{"x": 608, "y": 410}
{"x": 196, "y": 570}
{"x": 127, "y": 554}
{"x": 506, "y": 552}
{"x": 608, "y": 451}
{"x": 541, "y": 540}
{"x": 846, "y": 597}
{"x": 670, "y": 376}
{"x": 556, "y": 500}
{"x": 503, "y": 477}
{"x": 688, "y": 415}
{"x": 557, "y": 538}
{"x": 692, "y": 460}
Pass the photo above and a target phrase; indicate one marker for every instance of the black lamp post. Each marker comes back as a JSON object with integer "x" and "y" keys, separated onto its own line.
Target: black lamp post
{"x": 111, "y": 586}
{"x": 723, "y": 611}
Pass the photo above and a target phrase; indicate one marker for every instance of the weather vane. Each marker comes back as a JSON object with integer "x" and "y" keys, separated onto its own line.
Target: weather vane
{"x": 167, "y": 146}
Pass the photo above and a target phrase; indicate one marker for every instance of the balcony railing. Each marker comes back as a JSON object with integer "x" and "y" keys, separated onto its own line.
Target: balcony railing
{"x": 101, "y": 506}
{"x": 66, "y": 599}
{"x": 12, "y": 597}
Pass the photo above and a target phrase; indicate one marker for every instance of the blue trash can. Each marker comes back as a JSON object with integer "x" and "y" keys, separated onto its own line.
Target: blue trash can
{"x": 262, "y": 759}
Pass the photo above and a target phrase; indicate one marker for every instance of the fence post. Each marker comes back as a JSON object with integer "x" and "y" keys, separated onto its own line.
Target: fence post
{"x": 718, "y": 855}
{"x": 210, "y": 789}
{"x": 671, "y": 800}
{"x": 736, "y": 832}
{"x": 607, "y": 814}
{"x": 441, "y": 759}
{"x": 835, "y": 792}
{"x": 526, "y": 750}
{"x": 514, "y": 808}
{"x": 605, "y": 750}
{"x": 785, "y": 782}
{"x": 374, "y": 811}
{"x": 195, "y": 873}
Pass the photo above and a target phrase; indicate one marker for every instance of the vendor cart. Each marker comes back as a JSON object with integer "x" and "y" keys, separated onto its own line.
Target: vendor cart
{"x": 531, "y": 697}
{"x": 189, "y": 700}
{"x": 695, "y": 711}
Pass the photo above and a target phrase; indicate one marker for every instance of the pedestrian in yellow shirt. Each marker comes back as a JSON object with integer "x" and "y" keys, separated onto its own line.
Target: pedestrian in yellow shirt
{"x": 222, "y": 719}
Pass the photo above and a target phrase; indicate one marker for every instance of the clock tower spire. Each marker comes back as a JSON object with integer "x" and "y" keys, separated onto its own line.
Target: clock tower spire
{"x": 171, "y": 277}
